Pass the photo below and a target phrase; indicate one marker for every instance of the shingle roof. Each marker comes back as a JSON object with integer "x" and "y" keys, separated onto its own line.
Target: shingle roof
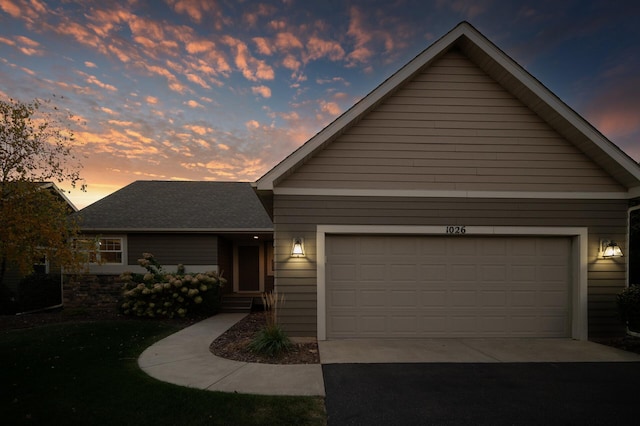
{"x": 178, "y": 206}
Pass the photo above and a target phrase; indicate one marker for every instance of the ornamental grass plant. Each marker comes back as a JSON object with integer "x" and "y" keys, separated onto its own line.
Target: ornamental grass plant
{"x": 271, "y": 340}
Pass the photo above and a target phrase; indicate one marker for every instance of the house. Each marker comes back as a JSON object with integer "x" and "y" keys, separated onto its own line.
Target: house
{"x": 460, "y": 198}
{"x": 205, "y": 226}
{"x": 41, "y": 287}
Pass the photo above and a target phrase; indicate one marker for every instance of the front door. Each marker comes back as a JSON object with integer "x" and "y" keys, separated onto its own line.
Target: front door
{"x": 248, "y": 268}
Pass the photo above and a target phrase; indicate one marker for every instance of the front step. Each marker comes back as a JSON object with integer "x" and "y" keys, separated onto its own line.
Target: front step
{"x": 236, "y": 304}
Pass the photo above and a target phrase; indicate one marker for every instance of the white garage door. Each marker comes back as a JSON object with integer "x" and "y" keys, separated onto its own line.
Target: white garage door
{"x": 430, "y": 286}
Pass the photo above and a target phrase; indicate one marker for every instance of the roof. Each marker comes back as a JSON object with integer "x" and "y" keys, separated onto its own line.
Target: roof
{"x": 506, "y": 72}
{"x": 43, "y": 185}
{"x": 174, "y": 206}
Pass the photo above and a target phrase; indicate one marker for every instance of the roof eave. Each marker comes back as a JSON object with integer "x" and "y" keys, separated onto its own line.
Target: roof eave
{"x": 174, "y": 230}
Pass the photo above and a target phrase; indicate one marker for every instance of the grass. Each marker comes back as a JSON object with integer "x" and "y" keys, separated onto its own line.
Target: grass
{"x": 87, "y": 373}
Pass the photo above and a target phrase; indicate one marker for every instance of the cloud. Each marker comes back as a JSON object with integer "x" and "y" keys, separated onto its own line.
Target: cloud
{"x": 194, "y": 104}
{"x": 290, "y": 62}
{"x": 318, "y": 48}
{"x": 263, "y": 46}
{"x": 197, "y": 80}
{"x": 252, "y": 69}
{"x": 90, "y": 64}
{"x": 330, "y": 108}
{"x": 263, "y": 91}
{"x": 252, "y": 124}
{"x": 11, "y": 8}
{"x": 195, "y": 9}
{"x": 197, "y": 129}
{"x": 287, "y": 41}
{"x": 152, "y": 100}
{"x": 92, "y": 79}
{"x": 25, "y": 45}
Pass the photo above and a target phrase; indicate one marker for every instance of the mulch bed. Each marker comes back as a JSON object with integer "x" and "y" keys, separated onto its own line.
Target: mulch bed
{"x": 233, "y": 344}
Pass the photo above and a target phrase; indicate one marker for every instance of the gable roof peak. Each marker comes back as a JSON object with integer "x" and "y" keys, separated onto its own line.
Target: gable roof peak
{"x": 505, "y": 71}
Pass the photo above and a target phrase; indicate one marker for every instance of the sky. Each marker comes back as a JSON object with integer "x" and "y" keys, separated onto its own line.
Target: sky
{"x": 223, "y": 90}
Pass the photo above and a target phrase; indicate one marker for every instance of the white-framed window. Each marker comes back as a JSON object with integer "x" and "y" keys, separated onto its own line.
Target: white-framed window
{"x": 102, "y": 250}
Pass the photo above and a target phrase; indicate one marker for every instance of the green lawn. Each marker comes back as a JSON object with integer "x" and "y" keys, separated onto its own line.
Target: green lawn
{"x": 86, "y": 373}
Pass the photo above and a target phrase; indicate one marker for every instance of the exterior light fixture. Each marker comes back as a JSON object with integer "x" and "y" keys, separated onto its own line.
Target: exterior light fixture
{"x": 297, "y": 250}
{"x": 610, "y": 249}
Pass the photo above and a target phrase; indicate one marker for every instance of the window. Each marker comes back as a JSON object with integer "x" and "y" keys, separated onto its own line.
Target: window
{"x": 101, "y": 250}
{"x": 110, "y": 250}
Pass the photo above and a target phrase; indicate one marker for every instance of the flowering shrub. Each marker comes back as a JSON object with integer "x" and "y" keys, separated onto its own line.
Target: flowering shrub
{"x": 160, "y": 294}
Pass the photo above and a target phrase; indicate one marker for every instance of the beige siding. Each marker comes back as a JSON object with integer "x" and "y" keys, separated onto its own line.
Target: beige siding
{"x": 173, "y": 249}
{"x": 297, "y": 216}
{"x": 452, "y": 128}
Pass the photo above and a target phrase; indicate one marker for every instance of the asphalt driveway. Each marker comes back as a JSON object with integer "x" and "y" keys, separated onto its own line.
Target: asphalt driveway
{"x": 586, "y": 393}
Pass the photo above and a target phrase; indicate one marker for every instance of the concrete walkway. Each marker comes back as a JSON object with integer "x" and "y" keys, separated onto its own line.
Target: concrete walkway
{"x": 184, "y": 358}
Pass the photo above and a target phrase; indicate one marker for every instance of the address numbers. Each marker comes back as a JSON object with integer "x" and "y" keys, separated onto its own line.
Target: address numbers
{"x": 456, "y": 230}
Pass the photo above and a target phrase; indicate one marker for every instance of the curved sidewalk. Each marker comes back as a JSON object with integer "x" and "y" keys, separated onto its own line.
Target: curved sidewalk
{"x": 184, "y": 359}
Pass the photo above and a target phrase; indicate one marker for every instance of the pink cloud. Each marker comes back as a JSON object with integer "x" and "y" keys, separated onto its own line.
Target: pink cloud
{"x": 194, "y": 104}
{"x": 290, "y": 62}
{"x": 197, "y": 80}
{"x": 263, "y": 91}
{"x": 10, "y": 7}
{"x": 330, "y": 108}
{"x": 199, "y": 46}
{"x": 263, "y": 46}
{"x": 287, "y": 41}
{"x": 198, "y": 9}
{"x": 252, "y": 69}
{"x": 318, "y": 48}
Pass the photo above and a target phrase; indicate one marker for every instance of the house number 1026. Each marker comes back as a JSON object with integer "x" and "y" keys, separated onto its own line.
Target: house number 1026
{"x": 457, "y": 230}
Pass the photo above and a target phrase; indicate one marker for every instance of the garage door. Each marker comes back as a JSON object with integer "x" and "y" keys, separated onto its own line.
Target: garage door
{"x": 430, "y": 286}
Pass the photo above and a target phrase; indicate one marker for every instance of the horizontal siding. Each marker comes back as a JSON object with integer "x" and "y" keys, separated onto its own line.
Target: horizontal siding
{"x": 298, "y": 216}
{"x": 173, "y": 249}
{"x": 452, "y": 128}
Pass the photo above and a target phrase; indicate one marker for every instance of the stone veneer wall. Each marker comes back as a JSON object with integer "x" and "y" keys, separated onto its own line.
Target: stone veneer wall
{"x": 91, "y": 291}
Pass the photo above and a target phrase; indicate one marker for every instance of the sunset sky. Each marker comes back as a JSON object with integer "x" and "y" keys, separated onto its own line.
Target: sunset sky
{"x": 225, "y": 89}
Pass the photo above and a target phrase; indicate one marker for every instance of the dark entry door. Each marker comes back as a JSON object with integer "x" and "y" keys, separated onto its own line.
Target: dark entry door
{"x": 248, "y": 268}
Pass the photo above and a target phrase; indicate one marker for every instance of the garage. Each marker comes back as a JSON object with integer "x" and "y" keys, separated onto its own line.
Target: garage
{"x": 407, "y": 286}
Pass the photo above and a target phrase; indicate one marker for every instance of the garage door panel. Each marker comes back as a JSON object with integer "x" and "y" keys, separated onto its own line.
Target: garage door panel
{"x": 373, "y": 298}
{"x": 447, "y": 287}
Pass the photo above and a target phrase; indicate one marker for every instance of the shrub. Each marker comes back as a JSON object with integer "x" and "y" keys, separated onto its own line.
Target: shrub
{"x": 271, "y": 340}
{"x": 629, "y": 307}
{"x": 37, "y": 291}
{"x": 160, "y": 294}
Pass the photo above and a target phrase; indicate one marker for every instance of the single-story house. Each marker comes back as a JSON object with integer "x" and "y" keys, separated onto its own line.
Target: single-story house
{"x": 43, "y": 265}
{"x": 205, "y": 226}
{"x": 43, "y": 286}
{"x": 460, "y": 198}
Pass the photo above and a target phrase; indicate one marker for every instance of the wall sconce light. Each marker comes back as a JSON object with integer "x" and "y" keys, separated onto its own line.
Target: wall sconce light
{"x": 297, "y": 250}
{"x": 610, "y": 249}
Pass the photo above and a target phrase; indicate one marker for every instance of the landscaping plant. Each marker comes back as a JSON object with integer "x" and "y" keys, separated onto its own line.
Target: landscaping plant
{"x": 160, "y": 294}
{"x": 271, "y": 340}
{"x": 629, "y": 307}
